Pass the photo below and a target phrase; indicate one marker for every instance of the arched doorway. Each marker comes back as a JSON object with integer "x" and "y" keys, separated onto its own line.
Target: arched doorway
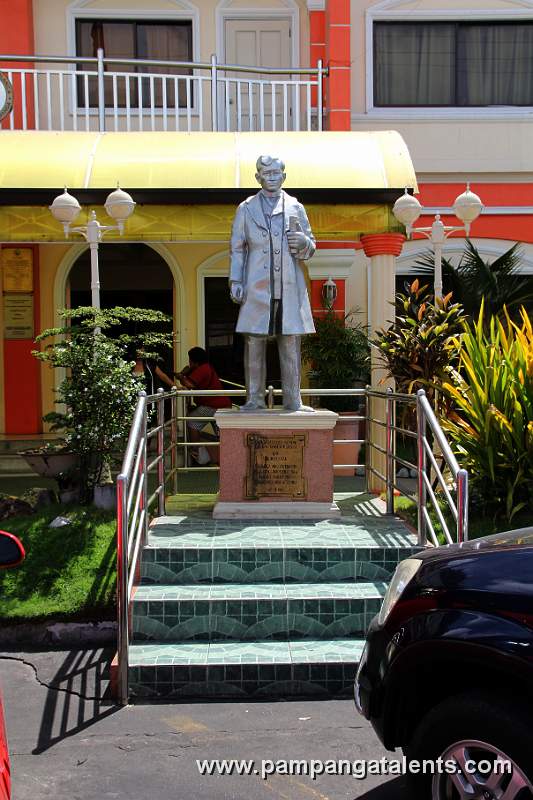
{"x": 131, "y": 274}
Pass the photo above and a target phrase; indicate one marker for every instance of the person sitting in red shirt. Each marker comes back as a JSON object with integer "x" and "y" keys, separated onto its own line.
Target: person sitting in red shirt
{"x": 201, "y": 375}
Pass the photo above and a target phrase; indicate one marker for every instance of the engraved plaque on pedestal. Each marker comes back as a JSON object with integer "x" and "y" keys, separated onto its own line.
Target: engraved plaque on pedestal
{"x": 276, "y": 466}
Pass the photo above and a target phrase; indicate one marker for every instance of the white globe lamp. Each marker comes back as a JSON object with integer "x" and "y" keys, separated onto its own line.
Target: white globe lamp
{"x": 407, "y": 210}
{"x": 65, "y": 208}
{"x": 119, "y": 205}
{"x": 467, "y": 207}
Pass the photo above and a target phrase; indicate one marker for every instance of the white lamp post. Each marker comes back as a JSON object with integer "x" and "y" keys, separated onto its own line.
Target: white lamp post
{"x": 467, "y": 208}
{"x": 65, "y": 208}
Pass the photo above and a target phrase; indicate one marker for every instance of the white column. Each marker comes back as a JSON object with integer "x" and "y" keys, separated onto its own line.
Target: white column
{"x": 382, "y": 249}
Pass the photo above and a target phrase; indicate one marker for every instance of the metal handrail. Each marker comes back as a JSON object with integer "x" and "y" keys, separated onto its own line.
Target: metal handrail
{"x": 134, "y": 459}
{"x": 426, "y": 417}
{"x": 134, "y": 505}
{"x": 295, "y": 84}
{"x": 146, "y": 62}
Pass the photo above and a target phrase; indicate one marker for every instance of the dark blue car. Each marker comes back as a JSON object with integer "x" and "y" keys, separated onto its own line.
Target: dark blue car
{"x": 447, "y": 671}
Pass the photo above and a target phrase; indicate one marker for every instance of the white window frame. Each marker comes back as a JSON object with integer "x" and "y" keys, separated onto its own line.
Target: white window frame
{"x": 184, "y": 11}
{"x": 215, "y": 266}
{"x": 392, "y": 11}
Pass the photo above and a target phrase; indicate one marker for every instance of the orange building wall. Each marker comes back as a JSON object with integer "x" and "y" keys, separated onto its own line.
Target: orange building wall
{"x": 338, "y": 59}
{"x": 516, "y": 227}
{"x": 317, "y": 43}
{"x": 16, "y": 38}
{"x": 21, "y": 383}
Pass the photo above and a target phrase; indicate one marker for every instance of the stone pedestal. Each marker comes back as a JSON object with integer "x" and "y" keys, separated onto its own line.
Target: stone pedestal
{"x": 276, "y": 464}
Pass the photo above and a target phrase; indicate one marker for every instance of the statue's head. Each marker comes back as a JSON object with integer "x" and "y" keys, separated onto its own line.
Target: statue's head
{"x": 270, "y": 173}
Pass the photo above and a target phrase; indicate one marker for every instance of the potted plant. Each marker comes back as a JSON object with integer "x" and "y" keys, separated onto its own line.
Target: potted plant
{"x": 52, "y": 460}
{"x": 97, "y": 395}
{"x": 339, "y": 358}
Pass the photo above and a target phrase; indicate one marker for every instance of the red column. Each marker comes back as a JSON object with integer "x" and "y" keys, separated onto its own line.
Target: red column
{"x": 16, "y": 38}
{"x": 22, "y": 377}
{"x": 338, "y": 59}
{"x": 317, "y": 42}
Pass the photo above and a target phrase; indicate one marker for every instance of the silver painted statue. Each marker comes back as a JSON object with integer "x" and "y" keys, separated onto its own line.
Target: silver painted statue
{"x": 270, "y": 235}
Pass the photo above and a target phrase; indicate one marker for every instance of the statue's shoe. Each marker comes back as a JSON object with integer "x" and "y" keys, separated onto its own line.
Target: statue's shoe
{"x": 252, "y": 405}
{"x": 299, "y": 407}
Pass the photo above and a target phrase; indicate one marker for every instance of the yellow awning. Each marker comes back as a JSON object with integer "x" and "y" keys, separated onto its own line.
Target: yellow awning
{"x": 328, "y": 160}
{"x": 151, "y": 162}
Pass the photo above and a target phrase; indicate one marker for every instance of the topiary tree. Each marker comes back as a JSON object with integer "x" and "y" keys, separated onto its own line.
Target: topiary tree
{"x": 99, "y": 391}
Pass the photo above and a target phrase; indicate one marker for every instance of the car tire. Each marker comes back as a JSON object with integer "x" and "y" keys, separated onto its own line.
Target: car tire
{"x": 479, "y": 728}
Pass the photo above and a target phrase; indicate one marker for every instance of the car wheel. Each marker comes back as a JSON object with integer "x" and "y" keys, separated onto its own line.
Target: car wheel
{"x": 483, "y": 747}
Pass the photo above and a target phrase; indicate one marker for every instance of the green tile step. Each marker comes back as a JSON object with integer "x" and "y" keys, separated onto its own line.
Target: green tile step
{"x": 257, "y": 669}
{"x": 246, "y": 612}
{"x": 185, "y": 550}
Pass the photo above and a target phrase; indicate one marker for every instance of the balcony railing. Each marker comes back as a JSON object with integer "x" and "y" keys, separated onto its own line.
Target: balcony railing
{"x": 83, "y": 94}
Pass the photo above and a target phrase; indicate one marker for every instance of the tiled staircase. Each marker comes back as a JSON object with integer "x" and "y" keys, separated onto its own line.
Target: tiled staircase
{"x": 258, "y": 609}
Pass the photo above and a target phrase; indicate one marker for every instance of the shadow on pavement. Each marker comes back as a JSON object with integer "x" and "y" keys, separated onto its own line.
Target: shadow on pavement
{"x": 78, "y": 696}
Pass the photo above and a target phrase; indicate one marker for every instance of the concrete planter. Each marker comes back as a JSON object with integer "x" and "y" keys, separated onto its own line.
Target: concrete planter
{"x": 347, "y": 453}
{"x": 49, "y": 465}
{"x": 105, "y": 496}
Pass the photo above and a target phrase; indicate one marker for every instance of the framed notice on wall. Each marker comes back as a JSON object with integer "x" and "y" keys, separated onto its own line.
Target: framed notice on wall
{"x": 17, "y": 269}
{"x": 18, "y": 316}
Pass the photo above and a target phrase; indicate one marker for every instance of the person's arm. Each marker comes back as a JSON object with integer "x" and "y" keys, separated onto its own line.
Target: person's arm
{"x": 163, "y": 376}
{"x": 185, "y": 380}
{"x": 198, "y": 378}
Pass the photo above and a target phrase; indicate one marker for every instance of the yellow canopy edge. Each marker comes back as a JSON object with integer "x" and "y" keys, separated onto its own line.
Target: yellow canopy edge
{"x": 328, "y": 160}
{"x": 205, "y": 222}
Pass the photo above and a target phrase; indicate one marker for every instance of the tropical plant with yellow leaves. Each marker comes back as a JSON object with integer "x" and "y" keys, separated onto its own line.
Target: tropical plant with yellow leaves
{"x": 491, "y": 424}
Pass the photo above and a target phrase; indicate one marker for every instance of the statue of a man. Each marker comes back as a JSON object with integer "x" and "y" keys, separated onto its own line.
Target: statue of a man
{"x": 270, "y": 235}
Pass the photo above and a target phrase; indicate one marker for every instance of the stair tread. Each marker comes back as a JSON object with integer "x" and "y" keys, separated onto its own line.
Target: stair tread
{"x": 348, "y": 532}
{"x": 260, "y": 591}
{"x": 305, "y": 651}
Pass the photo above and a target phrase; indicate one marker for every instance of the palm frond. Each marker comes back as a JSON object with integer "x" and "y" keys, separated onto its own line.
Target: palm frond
{"x": 498, "y": 283}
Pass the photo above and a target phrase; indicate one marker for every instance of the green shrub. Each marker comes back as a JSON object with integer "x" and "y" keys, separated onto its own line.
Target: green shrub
{"x": 339, "y": 356}
{"x": 99, "y": 392}
{"x": 491, "y": 425}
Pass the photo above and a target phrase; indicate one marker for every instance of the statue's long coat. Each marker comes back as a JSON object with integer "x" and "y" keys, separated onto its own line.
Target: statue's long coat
{"x": 251, "y": 260}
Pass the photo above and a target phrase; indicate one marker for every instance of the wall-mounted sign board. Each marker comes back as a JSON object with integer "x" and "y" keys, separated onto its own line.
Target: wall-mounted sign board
{"x": 18, "y": 316}
{"x": 17, "y": 269}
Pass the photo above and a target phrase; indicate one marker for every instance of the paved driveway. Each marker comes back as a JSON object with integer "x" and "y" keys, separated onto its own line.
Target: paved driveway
{"x": 68, "y": 744}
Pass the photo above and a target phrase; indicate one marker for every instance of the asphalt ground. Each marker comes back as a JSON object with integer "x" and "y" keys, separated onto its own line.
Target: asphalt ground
{"x": 68, "y": 741}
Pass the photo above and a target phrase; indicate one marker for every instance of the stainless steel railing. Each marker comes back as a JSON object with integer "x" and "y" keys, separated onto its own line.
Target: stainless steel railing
{"x": 70, "y": 93}
{"x": 431, "y": 445}
{"x": 426, "y": 453}
{"x": 161, "y": 419}
{"x": 185, "y": 444}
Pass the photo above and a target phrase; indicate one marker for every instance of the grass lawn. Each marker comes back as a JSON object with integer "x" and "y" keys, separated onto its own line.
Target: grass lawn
{"x": 69, "y": 573}
{"x": 477, "y": 525}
